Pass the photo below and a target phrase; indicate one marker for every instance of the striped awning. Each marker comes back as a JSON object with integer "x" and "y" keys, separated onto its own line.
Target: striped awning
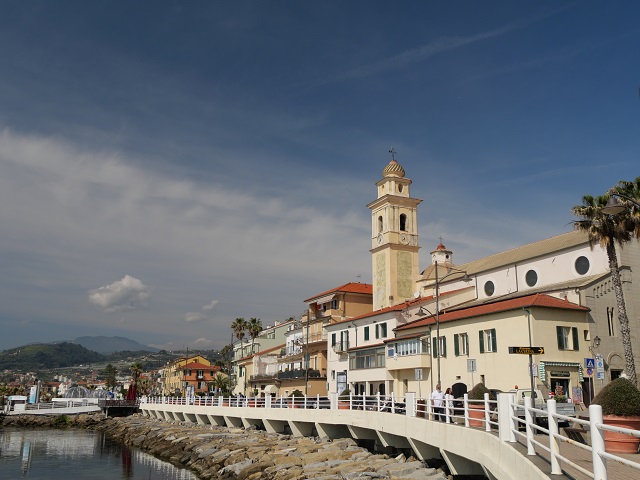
{"x": 325, "y": 299}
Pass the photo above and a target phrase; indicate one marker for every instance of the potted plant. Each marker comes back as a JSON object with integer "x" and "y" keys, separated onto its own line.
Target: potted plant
{"x": 620, "y": 402}
{"x": 476, "y": 409}
{"x": 296, "y": 394}
{"x": 343, "y": 399}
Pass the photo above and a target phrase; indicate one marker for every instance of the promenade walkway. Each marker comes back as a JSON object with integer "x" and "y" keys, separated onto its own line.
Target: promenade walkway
{"x": 497, "y": 442}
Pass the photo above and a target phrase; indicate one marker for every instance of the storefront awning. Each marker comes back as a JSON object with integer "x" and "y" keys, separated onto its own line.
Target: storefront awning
{"x": 269, "y": 389}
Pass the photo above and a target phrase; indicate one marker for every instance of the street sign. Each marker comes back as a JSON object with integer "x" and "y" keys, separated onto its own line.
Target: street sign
{"x": 589, "y": 371}
{"x": 600, "y": 365}
{"x": 600, "y": 375}
{"x": 589, "y": 363}
{"x": 418, "y": 373}
{"x": 527, "y": 350}
{"x": 533, "y": 370}
{"x": 471, "y": 365}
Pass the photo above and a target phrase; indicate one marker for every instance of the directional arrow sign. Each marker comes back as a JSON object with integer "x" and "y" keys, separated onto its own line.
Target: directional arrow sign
{"x": 527, "y": 350}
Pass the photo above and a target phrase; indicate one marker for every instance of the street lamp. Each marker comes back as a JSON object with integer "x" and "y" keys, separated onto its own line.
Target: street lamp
{"x": 306, "y": 355}
{"x": 613, "y": 207}
{"x": 465, "y": 278}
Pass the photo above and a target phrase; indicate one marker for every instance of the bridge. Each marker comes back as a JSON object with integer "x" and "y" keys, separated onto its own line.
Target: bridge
{"x": 498, "y": 439}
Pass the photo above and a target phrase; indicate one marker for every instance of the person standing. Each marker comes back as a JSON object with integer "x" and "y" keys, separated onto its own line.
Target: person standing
{"x": 437, "y": 403}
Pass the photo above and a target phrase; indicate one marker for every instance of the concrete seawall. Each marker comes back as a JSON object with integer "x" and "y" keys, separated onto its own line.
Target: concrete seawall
{"x": 244, "y": 453}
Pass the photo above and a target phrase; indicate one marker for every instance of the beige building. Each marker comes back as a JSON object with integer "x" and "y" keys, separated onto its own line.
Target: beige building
{"x": 559, "y": 286}
{"x": 172, "y": 378}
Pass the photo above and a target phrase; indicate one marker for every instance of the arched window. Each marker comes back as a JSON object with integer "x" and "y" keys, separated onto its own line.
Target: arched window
{"x": 380, "y": 224}
{"x": 403, "y": 223}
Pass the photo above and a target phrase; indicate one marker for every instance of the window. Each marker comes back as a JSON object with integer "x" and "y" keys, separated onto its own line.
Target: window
{"x": 610, "y": 321}
{"x": 404, "y": 348}
{"x": 582, "y": 265}
{"x": 403, "y": 223}
{"x": 531, "y": 278}
{"x": 567, "y": 338}
{"x": 461, "y": 344}
{"x": 333, "y": 339}
{"x": 366, "y": 333}
{"x": 488, "y": 341}
{"x": 489, "y": 288}
{"x": 440, "y": 350}
{"x": 380, "y": 224}
{"x": 381, "y": 330}
{"x": 369, "y": 358}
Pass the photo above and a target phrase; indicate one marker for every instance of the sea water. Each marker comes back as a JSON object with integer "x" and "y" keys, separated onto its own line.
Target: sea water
{"x": 77, "y": 455}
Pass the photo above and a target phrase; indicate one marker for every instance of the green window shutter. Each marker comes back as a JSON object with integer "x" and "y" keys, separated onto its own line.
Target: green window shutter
{"x": 435, "y": 347}
{"x": 494, "y": 340}
{"x": 333, "y": 339}
{"x": 383, "y": 327}
{"x": 366, "y": 333}
{"x": 456, "y": 348}
{"x": 444, "y": 346}
{"x": 560, "y": 338}
{"x": 377, "y": 331}
{"x": 481, "y": 338}
{"x": 576, "y": 345}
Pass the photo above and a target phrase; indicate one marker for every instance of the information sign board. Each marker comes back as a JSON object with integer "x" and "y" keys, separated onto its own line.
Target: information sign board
{"x": 527, "y": 350}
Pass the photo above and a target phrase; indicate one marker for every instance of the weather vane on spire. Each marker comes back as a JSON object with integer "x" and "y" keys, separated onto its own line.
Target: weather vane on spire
{"x": 392, "y": 151}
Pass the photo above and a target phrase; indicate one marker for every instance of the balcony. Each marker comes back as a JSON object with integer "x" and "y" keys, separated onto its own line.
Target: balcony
{"x": 341, "y": 347}
{"x": 403, "y": 362}
{"x": 298, "y": 374}
{"x": 263, "y": 376}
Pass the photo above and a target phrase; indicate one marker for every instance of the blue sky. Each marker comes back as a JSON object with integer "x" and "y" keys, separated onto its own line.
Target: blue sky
{"x": 169, "y": 166}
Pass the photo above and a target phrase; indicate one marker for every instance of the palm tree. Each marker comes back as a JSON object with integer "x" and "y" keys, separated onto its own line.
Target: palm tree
{"x": 221, "y": 383}
{"x": 607, "y": 230}
{"x": 239, "y": 327}
{"x": 628, "y": 195}
{"x": 254, "y": 327}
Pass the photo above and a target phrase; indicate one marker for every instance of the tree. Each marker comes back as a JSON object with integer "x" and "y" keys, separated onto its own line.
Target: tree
{"x": 254, "y": 327}
{"x": 226, "y": 350}
{"x": 221, "y": 383}
{"x": 110, "y": 373}
{"x": 239, "y": 327}
{"x": 628, "y": 195}
{"x": 607, "y": 230}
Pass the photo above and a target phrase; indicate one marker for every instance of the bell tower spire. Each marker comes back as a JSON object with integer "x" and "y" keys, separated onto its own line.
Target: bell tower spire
{"x": 394, "y": 237}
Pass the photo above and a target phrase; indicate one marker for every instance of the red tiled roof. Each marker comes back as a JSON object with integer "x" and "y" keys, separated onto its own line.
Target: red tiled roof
{"x": 351, "y": 287}
{"x": 537, "y": 300}
{"x": 200, "y": 366}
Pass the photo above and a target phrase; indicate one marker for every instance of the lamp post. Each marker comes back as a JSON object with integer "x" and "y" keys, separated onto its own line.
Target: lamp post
{"x": 306, "y": 356}
{"x": 613, "y": 207}
{"x": 465, "y": 278}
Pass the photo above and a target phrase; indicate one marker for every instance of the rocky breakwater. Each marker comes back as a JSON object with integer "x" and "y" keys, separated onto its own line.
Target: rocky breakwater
{"x": 247, "y": 454}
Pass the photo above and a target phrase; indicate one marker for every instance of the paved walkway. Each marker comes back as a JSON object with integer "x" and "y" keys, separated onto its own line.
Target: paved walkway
{"x": 615, "y": 470}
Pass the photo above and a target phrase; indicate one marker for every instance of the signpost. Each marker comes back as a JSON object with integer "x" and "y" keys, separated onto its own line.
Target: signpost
{"x": 471, "y": 367}
{"x": 527, "y": 350}
{"x": 600, "y": 367}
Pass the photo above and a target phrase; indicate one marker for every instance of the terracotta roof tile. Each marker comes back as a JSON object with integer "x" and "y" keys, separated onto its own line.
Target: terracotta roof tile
{"x": 351, "y": 287}
{"x": 537, "y": 300}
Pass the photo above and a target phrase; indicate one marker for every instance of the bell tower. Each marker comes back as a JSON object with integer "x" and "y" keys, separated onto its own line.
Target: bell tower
{"x": 394, "y": 238}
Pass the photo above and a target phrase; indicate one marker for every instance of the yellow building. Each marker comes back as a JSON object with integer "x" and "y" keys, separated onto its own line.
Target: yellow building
{"x": 173, "y": 376}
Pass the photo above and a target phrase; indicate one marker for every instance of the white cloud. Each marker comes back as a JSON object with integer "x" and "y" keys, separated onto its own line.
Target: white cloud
{"x": 126, "y": 294}
{"x": 202, "y": 315}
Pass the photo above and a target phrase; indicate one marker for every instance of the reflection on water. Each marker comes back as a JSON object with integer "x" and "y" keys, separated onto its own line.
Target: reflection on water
{"x": 77, "y": 454}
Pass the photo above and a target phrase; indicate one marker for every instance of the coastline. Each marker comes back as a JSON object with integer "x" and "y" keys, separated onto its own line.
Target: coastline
{"x": 243, "y": 454}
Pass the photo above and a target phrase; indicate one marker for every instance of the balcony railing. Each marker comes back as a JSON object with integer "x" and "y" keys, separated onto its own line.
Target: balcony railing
{"x": 341, "y": 347}
{"x": 298, "y": 374}
{"x": 263, "y": 376}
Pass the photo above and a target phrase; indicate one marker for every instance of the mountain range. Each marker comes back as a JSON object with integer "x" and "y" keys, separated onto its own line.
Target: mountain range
{"x": 103, "y": 344}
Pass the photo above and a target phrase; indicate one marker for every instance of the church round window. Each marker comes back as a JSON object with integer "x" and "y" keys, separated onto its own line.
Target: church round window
{"x": 582, "y": 265}
{"x": 531, "y": 278}
{"x": 489, "y": 288}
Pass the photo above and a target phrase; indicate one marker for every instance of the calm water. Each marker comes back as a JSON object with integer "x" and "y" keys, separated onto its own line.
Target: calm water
{"x": 77, "y": 455}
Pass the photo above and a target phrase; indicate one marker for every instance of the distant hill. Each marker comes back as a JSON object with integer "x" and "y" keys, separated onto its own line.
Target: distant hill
{"x": 112, "y": 344}
{"x": 45, "y": 356}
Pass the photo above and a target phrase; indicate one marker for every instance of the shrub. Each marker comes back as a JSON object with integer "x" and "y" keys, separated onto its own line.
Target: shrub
{"x": 560, "y": 398}
{"x": 61, "y": 421}
{"x": 620, "y": 397}
{"x": 296, "y": 393}
{"x": 345, "y": 393}
{"x": 477, "y": 392}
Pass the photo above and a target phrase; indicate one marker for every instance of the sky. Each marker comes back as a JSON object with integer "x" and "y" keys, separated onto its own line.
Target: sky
{"x": 166, "y": 167}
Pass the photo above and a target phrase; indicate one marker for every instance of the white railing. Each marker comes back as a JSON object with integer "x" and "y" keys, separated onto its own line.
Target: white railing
{"x": 504, "y": 416}
{"x": 594, "y": 426}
